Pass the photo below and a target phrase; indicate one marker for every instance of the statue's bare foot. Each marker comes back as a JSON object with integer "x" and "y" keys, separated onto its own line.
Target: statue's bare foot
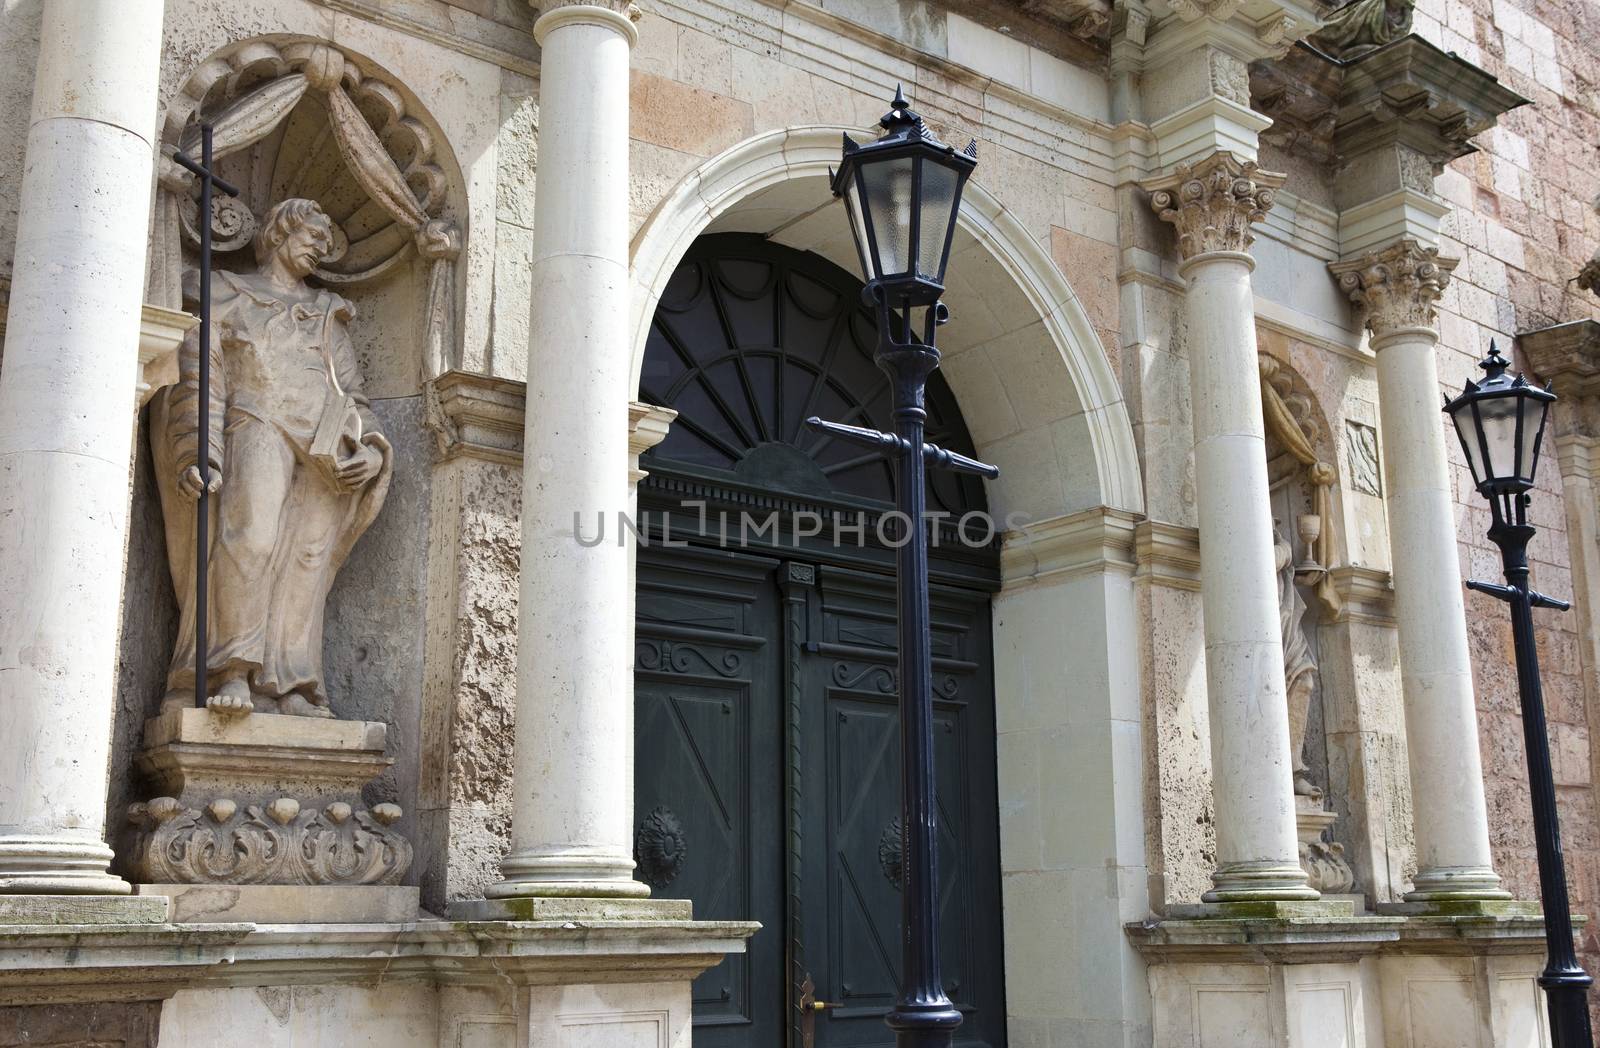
{"x": 232, "y": 698}
{"x": 1304, "y": 787}
{"x": 297, "y": 705}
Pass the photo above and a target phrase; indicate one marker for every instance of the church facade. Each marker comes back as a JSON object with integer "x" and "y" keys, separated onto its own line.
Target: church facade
{"x": 463, "y": 640}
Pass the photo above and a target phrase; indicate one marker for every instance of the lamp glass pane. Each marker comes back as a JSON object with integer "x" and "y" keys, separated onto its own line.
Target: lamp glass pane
{"x": 1499, "y": 416}
{"x": 938, "y": 210}
{"x": 858, "y": 229}
{"x": 1533, "y": 411}
{"x": 888, "y": 201}
{"x": 1467, "y": 430}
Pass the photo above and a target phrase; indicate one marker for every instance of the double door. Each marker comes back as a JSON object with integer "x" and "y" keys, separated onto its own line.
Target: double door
{"x": 767, "y": 789}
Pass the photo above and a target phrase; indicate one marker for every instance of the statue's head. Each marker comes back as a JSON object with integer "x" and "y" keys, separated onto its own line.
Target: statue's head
{"x": 296, "y": 232}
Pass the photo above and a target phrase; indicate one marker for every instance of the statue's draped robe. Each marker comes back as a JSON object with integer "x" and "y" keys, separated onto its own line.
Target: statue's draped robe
{"x": 1299, "y": 668}
{"x": 279, "y": 529}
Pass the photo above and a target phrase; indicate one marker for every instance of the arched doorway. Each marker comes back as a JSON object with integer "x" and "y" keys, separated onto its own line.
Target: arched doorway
{"x": 767, "y": 755}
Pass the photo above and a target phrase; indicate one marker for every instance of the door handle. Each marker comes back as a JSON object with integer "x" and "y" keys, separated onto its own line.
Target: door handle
{"x": 809, "y": 1007}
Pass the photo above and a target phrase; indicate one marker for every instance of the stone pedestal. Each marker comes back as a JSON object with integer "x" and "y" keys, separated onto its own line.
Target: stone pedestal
{"x": 1326, "y": 868}
{"x": 263, "y": 800}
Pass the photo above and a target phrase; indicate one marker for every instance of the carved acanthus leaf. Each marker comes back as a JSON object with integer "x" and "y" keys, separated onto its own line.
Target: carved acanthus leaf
{"x": 279, "y": 842}
{"x": 1213, "y": 204}
{"x": 1396, "y": 287}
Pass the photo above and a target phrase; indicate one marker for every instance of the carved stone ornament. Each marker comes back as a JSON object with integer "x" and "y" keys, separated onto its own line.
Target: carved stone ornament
{"x": 891, "y": 859}
{"x": 660, "y": 847}
{"x": 1363, "y": 26}
{"x": 305, "y": 119}
{"x": 279, "y": 842}
{"x": 1589, "y": 275}
{"x": 1397, "y": 287}
{"x": 1213, "y": 203}
{"x": 1327, "y": 870}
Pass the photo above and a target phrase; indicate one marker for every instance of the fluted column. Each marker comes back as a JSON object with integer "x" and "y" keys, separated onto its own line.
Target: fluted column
{"x": 66, "y": 434}
{"x": 572, "y": 820}
{"x": 1397, "y": 288}
{"x": 1213, "y": 204}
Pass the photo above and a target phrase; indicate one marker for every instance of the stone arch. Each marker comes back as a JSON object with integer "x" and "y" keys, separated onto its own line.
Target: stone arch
{"x": 300, "y": 116}
{"x": 1045, "y": 403}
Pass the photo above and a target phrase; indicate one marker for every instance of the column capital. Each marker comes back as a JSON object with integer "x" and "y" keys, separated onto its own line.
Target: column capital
{"x": 1397, "y": 287}
{"x": 1213, "y": 203}
{"x": 619, "y": 15}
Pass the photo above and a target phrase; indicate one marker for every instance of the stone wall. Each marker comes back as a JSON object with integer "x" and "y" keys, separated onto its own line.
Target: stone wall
{"x": 1522, "y": 225}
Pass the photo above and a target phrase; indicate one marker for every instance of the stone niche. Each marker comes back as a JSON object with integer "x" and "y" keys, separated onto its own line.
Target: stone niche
{"x": 294, "y": 117}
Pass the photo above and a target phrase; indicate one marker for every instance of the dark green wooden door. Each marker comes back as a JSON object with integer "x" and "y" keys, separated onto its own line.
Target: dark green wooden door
{"x": 767, "y": 749}
{"x": 767, "y": 788}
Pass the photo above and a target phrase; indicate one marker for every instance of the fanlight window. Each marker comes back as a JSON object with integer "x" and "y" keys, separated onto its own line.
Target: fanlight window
{"x": 749, "y": 339}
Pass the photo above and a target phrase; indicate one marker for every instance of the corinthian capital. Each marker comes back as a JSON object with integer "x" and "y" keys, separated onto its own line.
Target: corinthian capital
{"x": 1397, "y": 287}
{"x": 1213, "y": 203}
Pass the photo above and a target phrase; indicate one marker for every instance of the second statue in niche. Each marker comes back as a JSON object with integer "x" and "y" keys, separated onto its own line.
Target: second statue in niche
{"x": 1299, "y": 668}
{"x": 299, "y": 469}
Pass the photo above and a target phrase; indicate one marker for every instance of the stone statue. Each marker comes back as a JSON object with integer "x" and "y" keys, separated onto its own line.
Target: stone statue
{"x": 298, "y": 472}
{"x": 1299, "y": 668}
{"x": 1362, "y": 27}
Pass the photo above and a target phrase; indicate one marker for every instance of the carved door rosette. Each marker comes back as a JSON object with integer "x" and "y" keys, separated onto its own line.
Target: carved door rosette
{"x": 263, "y": 800}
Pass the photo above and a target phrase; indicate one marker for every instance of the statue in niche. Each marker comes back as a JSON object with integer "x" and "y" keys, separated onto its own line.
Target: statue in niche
{"x": 1299, "y": 668}
{"x": 298, "y": 470}
{"x": 1362, "y": 27}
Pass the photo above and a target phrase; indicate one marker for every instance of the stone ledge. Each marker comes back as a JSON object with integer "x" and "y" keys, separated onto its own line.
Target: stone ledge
{"x": 287, "y": 903}
{"x": 567, "y": 910}
{"x": 98, "y": 910}
{"x": 1308, "y": 940}
{"x": 78, "y": 963}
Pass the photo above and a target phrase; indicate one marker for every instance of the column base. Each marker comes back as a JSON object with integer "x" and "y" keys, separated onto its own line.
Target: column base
{"x": 1261, "y": 881}
{"x": 565, "y": 875}
{"x": 565, "y": 909}
{"x": 38, "y": 865}
{"x": 1455, "y": 883}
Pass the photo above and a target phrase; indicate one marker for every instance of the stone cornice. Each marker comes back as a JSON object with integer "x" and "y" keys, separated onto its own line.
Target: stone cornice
{"x": 482, "y": 417}
{"x": 1150, "y": 32}
{"x": 1568, "y": 357}
{"x": 1308, "y": 940}
{"x": 1407, "y": 93}
{"x": 1053, "y": 550}
{"x": 647, "y": 427}
{"x": 477, "y": 416}
{"x": 1167, "y": 554}
{"x": 1365, "y": 595}
{"x": 1396, "y": 287}
{"x": 73, "y": 963}
{"x": 1212, "y": 204}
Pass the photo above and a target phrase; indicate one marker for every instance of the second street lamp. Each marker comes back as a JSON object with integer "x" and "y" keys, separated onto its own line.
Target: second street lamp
{"x": 1500, "y": 421}
{"x": 903, "y": 192}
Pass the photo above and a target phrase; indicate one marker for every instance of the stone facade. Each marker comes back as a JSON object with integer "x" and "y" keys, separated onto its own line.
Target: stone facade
{"x": 1206, "y": 278}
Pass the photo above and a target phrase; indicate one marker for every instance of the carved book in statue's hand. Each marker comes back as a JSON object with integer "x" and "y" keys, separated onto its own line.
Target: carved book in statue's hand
{"x": 338, "y": 437}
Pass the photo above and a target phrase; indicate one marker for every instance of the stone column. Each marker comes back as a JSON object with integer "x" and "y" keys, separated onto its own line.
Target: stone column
{"x": 1397, "y": 287}
{"x": 66, "y": 435}
{"x": 1213, "y": 204}
{"x": 572, "y": 821}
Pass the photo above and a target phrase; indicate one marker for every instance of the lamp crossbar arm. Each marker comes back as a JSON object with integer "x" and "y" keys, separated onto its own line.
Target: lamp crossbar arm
{"x": 1509, "y": 593}
{"x": 933, "y": 454}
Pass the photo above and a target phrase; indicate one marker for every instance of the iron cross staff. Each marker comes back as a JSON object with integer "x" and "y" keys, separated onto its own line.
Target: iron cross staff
{"x": 923, "y": 1017}
{"x": 208, "y": 179}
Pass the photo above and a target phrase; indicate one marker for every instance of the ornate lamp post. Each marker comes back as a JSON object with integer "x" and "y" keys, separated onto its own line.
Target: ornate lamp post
{"x": 1500, "y": 421}
{"x": 902, "y": 192}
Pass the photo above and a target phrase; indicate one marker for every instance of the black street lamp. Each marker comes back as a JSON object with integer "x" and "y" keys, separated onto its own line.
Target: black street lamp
{"x": 903, "y": 191}
{"x": 1500, "y": 421}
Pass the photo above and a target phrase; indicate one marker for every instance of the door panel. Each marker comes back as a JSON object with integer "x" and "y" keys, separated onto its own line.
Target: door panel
{"x": 853, "y": 872}
{"x": 707, "y": 760}
{"x": 771, "y": 758}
